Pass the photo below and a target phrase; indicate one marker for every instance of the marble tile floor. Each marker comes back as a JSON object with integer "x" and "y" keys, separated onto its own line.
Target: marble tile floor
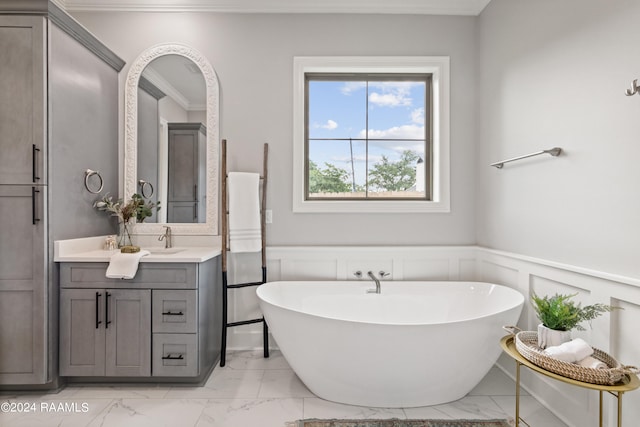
{"x": 249, "y": 391}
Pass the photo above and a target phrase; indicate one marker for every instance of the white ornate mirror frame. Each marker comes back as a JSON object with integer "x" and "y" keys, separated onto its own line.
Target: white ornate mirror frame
{"x": 210, "y": 226}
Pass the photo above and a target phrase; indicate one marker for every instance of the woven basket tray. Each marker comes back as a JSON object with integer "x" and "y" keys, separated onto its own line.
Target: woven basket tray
{"x": 527, "y": 346}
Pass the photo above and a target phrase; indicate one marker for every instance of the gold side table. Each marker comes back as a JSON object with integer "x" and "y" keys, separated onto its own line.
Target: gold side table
{"x": 630, "y": 382}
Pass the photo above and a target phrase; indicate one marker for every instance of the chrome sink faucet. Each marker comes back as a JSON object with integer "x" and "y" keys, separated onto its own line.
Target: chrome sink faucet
{"x": 166, "y": 236}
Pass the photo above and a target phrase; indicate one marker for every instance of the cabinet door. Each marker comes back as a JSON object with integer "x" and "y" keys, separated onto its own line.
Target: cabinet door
{"x": 183, "y": 176}
{"x": 23, "y": 285}
{"x": 22, "y": 104}
{"x": 128, "y": 332}
{"x": 82, "y": 332}
{"x": 183, "y": 165}
{"x": 182, "y": 212}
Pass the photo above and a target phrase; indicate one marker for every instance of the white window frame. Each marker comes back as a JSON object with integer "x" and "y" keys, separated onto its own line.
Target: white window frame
{"x": 438, "y": 66}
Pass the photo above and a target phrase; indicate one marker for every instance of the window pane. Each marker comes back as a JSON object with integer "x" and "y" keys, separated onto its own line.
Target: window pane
{"x": 337, "y": 168}
{"x": 396, "y": 169}
{"x": 337, "y": 109}
{"x": 396, "y": 110}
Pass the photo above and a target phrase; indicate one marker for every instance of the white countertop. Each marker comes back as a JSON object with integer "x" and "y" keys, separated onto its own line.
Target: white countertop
{"x": 88, "y": 250}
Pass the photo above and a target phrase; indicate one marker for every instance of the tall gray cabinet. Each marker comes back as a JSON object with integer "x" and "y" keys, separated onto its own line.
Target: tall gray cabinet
{"x": 58, "y": 117}
{"x": 23, "y": 213}
{"x": 187, "y": 169}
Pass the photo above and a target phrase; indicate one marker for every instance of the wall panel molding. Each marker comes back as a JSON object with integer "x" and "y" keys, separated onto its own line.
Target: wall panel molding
{"x": 615, "y": 333}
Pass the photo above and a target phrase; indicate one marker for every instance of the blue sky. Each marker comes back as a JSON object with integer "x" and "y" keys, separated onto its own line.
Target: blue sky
{"x": 338, "y": 109}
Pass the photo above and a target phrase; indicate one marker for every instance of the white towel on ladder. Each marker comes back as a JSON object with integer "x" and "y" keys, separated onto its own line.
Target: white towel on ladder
{"x": 245, "y": 234}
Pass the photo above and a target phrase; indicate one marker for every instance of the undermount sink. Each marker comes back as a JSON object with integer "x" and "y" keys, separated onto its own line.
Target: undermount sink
{"x": 164, "y": 251}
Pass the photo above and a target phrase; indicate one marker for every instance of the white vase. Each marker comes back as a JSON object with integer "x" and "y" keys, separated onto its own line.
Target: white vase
{"x": 551, "y": 337}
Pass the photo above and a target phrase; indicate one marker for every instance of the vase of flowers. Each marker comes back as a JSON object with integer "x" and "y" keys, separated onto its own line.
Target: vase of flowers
{"x": 137, "y": 207}
{"x": 124, "y": 234}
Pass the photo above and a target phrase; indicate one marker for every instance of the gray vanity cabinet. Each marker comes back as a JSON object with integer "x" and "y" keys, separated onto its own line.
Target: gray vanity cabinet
{"x": 105, "y": 332}
{"x": 164, "y": 324}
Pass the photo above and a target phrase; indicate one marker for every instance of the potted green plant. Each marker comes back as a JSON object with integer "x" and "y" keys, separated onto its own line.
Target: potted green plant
{"x": 559, "y": 315}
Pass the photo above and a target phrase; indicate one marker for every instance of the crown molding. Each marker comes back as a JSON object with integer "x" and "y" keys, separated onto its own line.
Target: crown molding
{"x": 420, "y": 7}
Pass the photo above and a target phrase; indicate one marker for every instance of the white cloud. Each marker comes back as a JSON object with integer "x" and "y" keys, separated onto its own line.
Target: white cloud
{"x": 330, "y": 125}
{"x": 396, "y": 132}
{"x": 417, "y": 116}
{"x": 350, "y": 87}
{"x": 392, "y": 94}
{"x": 384, "y": 94}
{"x": 397, "y": 99}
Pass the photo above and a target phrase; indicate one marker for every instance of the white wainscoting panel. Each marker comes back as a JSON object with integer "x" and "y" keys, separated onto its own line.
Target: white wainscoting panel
{"x": 615, "y": 333}
{"x": 337, "y": 263}
{"x": 625, "y": 346}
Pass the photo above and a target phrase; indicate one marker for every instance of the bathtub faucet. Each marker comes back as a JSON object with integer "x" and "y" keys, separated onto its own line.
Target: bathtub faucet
{"x": 376, "y": 281}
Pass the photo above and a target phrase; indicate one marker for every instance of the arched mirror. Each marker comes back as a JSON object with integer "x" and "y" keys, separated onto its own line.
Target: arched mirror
{"x": 171, "y": 139}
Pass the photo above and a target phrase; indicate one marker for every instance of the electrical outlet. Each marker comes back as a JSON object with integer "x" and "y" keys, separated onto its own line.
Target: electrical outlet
{"x": 268, "y": 216}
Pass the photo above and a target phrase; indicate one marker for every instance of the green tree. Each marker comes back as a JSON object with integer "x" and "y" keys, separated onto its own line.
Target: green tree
{"x": 331, "y": 179}
{"x": 394, "y": 176}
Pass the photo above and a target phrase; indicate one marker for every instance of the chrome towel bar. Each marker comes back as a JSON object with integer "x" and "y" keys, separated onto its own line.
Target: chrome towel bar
{"x": 552, "y": 151}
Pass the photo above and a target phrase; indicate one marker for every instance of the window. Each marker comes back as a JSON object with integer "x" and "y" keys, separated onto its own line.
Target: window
{"x": 366, "y": 136}
{"x": 371, "y": 134}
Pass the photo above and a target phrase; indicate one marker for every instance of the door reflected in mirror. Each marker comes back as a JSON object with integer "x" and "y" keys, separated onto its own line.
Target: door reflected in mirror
{"x": 171, "y": 140}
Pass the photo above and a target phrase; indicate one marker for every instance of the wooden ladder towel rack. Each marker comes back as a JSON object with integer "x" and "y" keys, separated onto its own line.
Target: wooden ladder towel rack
{"x": 225, "y": 249}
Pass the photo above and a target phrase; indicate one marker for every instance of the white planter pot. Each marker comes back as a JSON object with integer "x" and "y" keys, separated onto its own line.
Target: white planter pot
{"x": 550, "y": 337}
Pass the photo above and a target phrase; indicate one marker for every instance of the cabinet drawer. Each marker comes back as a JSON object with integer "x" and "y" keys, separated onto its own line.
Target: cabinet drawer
{"x": 174, "y": 311}
{"x": 175, "y": 355}
{"x": 149, "y": 275}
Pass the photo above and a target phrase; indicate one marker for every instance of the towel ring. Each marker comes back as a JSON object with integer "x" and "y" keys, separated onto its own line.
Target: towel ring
{"x": 143, "y": 185}
{"x": 89, "y": 173}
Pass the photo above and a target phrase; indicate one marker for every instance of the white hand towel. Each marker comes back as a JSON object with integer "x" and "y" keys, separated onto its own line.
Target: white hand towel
{"x": 593, "y": 363}
{"x": 124, "y": 266}
{"x": 571, "y": 351}
{"x": 245, "y": 233}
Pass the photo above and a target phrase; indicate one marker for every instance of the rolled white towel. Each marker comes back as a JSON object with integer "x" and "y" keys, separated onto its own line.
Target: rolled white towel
{"x": 571, "y": 351}
{"x": 593, "y": 363}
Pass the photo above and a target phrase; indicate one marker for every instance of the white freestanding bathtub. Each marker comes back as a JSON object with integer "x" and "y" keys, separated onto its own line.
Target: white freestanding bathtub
{"x": 414, "y": 344}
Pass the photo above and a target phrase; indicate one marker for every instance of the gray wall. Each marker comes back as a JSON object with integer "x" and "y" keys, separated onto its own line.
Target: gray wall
{"x": 253, "y": 57}
{"x": 148, "y": 156}
{"x": 546, "y": 74}
{"x": 82, "y": 88}
{"x": 554, "y": 73}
